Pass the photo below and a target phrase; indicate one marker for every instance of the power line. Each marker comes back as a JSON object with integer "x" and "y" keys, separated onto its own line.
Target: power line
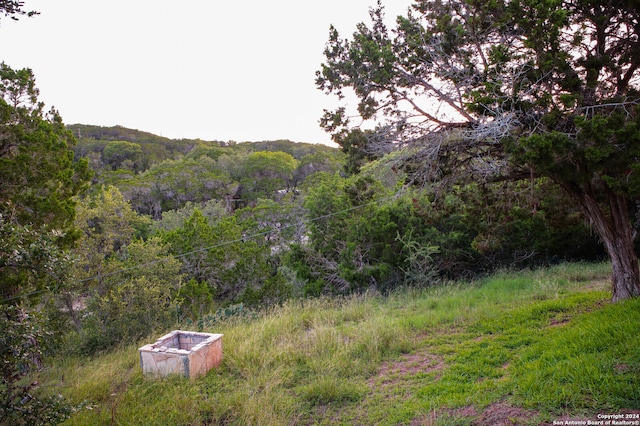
{"x": 225, "y": 243}
{"x": 222, "y": 244}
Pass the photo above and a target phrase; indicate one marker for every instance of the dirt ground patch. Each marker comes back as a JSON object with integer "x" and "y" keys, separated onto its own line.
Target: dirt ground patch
{"x": 501, "y": 414}
{"x": 498, "y": 414}
{"x": 398, "y": 372}
{"x": 411, "y": 364}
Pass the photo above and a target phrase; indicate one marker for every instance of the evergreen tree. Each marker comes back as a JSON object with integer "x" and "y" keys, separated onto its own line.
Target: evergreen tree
{"x": 38, "y": 173}
{"x": 38, "y": 180}
{"x": 501, "y": 90}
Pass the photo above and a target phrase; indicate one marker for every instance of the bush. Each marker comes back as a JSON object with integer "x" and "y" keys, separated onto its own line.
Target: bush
{"x": 21, "y": 334}
{"x": 223, "y": 314}
{"x": 195, "y": 299}
{"x": 127, "y": 312}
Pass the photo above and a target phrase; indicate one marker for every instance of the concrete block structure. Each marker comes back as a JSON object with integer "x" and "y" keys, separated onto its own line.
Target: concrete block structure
{"x": 186, "y": 353}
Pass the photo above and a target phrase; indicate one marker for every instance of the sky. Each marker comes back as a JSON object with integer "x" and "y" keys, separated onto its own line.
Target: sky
{"x": 208, "y": 69}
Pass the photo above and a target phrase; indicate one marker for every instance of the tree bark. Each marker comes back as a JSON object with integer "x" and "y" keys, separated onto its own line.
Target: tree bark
{"x": 624, "y": 260}
{"x": 68, "y": 299}
{"x": 614, "y": 229}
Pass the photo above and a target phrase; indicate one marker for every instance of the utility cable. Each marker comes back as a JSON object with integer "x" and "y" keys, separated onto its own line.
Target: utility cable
{"x": 202, "y": 249}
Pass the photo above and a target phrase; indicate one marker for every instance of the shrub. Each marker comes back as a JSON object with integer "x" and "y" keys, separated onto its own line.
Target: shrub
{"x": 20, "y": 353}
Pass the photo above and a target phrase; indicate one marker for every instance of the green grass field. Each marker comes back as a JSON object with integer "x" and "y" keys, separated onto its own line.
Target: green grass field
{"x": 516, "y": 348}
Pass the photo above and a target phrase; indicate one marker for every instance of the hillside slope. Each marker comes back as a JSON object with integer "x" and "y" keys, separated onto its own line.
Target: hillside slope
{"x": 517, "y": 348}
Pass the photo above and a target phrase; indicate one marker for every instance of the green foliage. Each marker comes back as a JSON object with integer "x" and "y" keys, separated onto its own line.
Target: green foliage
{"x": 273, "y": 291}
{"x": 326, "y": 204}
{"x": 195, "y": 300}
{"x": 39, "y": 181}
{"x": 473, "y": 91}
{"x": 359, "y": 237}
{"x": 602, "y": 154}
{"x": 31, "y": 261}
{"x": 238, "y": 179}
{"x": 297, "y": 150}
{"x": 171, "y": 184}
{"x": 354, "y": 145}
{"x": 321, "y": 161}
{"x": 279, "y": 223}
{"x": 123, "y": 154}
{"x": 108, "y": 223}
{"x": 213, "y": 152}
{"x": 450, "y": 354}
{"x": 158, "y": 175}
{"x": 525, "y": 223}
{"x": 94, "y": 139}
{"x": 265, "y": 173}
{"x": 419, "y": 261}
{"x": 220, "y": 255}
{"x": 21, "y": 403}
{"x": 38, "y": 174}
{"x": 138, "y": 294}
{"x": 213, "y": 210}
{"x": 353, "y": 244}
{"x": 109, "y": 227}
{"x": 237, "y": 312}
{"x": 126, "y": 312}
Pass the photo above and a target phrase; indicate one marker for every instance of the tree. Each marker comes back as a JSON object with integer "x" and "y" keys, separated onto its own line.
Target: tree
{"x": 107, "y": 224}
{"x": 225, "y": 255}
{"x": 137, "y": 296}
{"x": 496, "y": 90}
{"x": 13, "y": 9}
{"x": 20, "y": 351}
{"x": 37, "y": 169}
{"x": 213, "y": 210}
{"x": 31, "y": 261}
{"x": 123, "y": 154}
{"x": 361, "y": 235}
{"x": 172, "y": 183}
{"x": 317, "y": 162}
{"x": 39, "y": 177}
{"x": 267, "y": 172}
{"x": 39, "y": 180}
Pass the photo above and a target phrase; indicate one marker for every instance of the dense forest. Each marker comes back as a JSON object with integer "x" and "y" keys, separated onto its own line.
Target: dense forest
{"x": 177, "y": 230}
{"x": 202, "y": 225}
{"x": 108, "y": 234}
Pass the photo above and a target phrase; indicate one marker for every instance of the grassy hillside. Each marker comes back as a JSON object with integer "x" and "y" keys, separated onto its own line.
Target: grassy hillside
{"x": 518, "y": 348}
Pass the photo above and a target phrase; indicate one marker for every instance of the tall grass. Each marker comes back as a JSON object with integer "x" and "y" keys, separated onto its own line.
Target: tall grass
{"x": 545, "y": 339}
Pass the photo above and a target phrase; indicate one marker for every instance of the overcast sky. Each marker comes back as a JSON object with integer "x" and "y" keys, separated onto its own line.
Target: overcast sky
{"x": 208, "y": 69}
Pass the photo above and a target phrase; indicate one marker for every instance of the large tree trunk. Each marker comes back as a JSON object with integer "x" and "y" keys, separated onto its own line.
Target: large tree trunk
{"x": 614, "y": 229}
{"x": 624, "y": 260}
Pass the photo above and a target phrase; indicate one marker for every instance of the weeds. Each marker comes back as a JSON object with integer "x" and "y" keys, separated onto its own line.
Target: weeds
{"x": 529, "y": 345}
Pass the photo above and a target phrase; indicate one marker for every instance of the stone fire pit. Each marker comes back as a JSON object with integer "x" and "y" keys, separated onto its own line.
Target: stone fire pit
{"x": 187, "y": 353}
